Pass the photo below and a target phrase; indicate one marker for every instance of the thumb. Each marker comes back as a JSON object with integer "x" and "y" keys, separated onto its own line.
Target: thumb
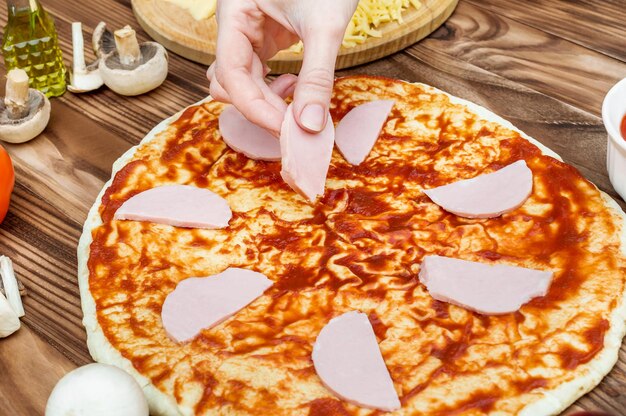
{"x": 315, "y": 82}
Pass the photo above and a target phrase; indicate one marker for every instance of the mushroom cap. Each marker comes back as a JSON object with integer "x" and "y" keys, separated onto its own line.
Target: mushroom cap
{"x": 29, "y": 127}
{"x": 144, "y": 75}
{"x": 102, "y": 41}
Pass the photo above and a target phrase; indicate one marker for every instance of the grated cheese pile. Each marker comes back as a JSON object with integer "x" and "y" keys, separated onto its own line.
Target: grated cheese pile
{"x": 369, "y": 15}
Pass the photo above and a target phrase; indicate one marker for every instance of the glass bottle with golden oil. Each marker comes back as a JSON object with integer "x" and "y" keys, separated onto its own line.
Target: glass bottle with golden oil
{"x": 30, "y": 43}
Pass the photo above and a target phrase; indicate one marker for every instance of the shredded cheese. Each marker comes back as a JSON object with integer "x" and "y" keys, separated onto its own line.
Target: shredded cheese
{"x": 370, "y": 14}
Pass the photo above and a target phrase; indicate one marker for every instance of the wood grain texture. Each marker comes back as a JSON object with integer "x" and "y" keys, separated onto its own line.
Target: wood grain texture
{"x": 58, "y": 176}
{"x": 529, "y": 56}
{"x": 547, "y": 79}
{"x": 42, "y": 371}
{"x": 179, "y": 32}
{"x": 597, "y": 25}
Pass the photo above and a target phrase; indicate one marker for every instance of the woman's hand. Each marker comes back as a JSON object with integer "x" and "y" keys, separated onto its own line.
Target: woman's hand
{"x": 252, "y": 31}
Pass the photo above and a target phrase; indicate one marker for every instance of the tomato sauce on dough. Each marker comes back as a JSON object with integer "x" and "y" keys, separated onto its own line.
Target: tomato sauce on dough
{"x": 360, "y": 247}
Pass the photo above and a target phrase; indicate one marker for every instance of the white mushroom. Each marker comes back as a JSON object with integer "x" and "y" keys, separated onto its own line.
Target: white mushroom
{"x": 24, "y": 112}
{"x": 132, "y": 69}
{"x": 97, "y": 390}
{"x": 83, "y": 78}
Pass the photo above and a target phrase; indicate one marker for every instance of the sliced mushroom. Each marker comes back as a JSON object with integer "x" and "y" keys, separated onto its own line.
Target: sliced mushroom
{"x": 83, "y": 78}
{"x": 132, "y": 69}
{"x": 24, "y": 112}
{"x": 102, "y": 41}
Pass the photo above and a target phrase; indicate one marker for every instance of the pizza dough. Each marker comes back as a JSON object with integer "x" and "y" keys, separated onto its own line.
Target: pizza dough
{"x": 358, "y": 248}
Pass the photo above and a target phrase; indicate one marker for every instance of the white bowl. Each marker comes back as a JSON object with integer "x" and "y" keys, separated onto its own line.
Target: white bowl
{"x": 613, "y": 110}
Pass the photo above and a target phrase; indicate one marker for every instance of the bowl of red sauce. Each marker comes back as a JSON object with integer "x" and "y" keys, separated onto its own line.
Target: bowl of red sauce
{"x": 614, "y": 118}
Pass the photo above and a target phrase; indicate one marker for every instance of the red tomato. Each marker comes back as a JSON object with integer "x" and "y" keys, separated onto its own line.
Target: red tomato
{"x": 7, "y": 180}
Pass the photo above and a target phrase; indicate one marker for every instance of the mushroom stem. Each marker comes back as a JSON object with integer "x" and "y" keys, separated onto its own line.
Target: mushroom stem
{"x": 83, "y": 78}
{"x": 78, "y": 64}
{"x": 127, "y": 45}
{"x": 16, "y": 99}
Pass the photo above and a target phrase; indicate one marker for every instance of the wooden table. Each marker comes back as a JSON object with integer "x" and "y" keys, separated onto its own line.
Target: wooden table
{"x": 544, "y": 65}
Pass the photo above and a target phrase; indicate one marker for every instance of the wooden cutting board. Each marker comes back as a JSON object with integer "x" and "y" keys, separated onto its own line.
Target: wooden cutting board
{"x": 179, "y": 32}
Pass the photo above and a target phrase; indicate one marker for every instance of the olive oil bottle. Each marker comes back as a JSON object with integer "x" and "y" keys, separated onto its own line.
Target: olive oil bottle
{"x": 30, "y": 43}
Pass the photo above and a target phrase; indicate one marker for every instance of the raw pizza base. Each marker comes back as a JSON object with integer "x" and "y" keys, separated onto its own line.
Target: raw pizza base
{"x": 553, "y": 402}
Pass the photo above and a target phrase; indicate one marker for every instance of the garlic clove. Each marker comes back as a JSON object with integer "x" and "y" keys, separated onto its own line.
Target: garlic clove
{"x": 11, "y": 287}
{"x": 9, "y": 322}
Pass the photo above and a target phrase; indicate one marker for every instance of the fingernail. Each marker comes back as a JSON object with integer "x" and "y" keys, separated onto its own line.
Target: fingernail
{"x": 312, "y": 117}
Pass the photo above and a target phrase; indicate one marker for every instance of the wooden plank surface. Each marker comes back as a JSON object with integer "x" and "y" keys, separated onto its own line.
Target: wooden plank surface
{"x": 544, "y": 65}
{"x": 178, "y": 31}
{"x": 597, "y": 25}
{"x": 43, "y": 368}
